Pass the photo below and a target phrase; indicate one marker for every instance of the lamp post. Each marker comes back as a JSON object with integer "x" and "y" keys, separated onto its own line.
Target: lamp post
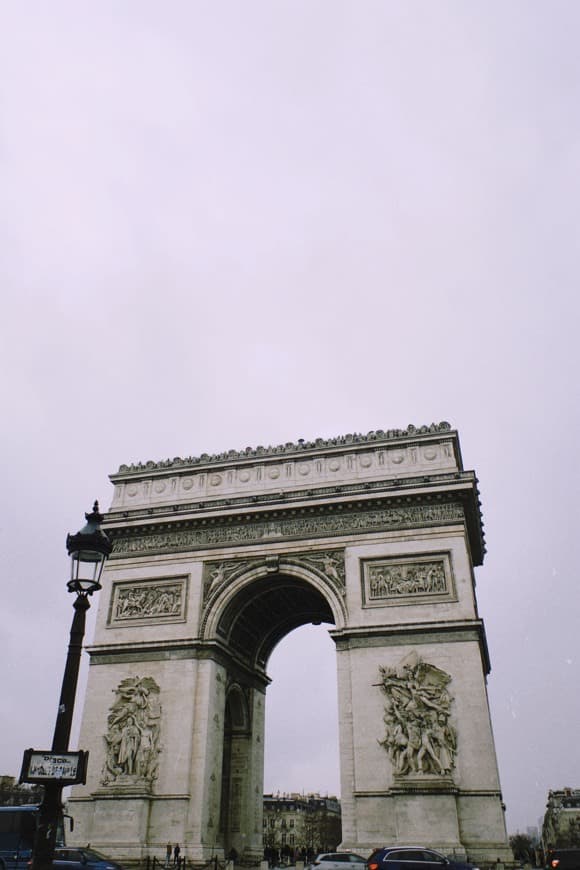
{"x": 88, "y": 550}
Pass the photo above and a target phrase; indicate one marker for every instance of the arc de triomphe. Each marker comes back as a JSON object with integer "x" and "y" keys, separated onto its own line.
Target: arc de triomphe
{"x": 215, "y": 560}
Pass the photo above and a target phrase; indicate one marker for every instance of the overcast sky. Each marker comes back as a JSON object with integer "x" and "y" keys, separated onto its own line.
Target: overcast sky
{"x": 236, "y": 223}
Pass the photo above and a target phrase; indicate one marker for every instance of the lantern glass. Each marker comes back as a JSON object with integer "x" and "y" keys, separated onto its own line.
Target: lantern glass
{"x": 86, "y": 569}
{"x": 88, "y": 550}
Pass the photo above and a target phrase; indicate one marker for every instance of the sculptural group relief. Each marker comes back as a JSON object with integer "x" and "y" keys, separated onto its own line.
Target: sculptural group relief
{"x": 132, "y": 738}
{"x": 160, "y": 601}
{"x": 330, "y": 563}
{"x": 398, "y": 581}
{"x": 420, "y": 739}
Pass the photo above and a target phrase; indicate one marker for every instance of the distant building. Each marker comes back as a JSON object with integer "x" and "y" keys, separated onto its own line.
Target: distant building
{"x": 300, "y": 825}
{"x": 13, "y": 795}
{"x": 561, "y": 825}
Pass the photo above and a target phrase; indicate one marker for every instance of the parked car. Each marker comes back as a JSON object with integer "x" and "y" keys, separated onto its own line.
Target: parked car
{"x": 68, "y": 858}
{"x": 563, "y": 859}
{"x": 339, "y": 861}
{"x": 413, "y": 858}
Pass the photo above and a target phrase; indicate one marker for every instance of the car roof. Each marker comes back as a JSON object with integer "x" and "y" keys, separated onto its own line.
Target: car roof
{"x": 399, "y": 847}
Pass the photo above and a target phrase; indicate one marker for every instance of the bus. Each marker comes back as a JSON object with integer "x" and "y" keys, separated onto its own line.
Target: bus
{"x": 17, "y": 830}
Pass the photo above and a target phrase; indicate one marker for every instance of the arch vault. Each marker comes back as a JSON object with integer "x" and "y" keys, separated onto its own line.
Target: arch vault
{"x": 215, "y": 560}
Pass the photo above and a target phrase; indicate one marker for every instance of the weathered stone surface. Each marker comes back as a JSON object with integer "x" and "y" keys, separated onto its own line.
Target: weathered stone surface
{"x": 215, "y": 560}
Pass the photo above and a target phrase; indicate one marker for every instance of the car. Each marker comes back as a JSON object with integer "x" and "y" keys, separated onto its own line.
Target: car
{"x": 339, "y": 861}
{"x": 413, "y": 858}
{"x": 71, "y": 858}
{"x": 563, "y": 859}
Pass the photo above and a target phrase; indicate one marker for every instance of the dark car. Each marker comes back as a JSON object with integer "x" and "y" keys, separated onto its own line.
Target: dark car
{"x": 563, "y": 859}
{"x": 69, "y": 858}
{"x": 413, "y": 858}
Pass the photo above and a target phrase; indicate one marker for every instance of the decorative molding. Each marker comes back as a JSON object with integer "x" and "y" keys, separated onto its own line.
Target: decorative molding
{"x": 289, "y": 447}
{"x": 420, "y": 741}
{"x": 328, "y": 563}
{"x": 203, "y": 535}
{"x": 415, "y": 579}
{"x": 148, "y": 601}
{"x": 132, "y": 738}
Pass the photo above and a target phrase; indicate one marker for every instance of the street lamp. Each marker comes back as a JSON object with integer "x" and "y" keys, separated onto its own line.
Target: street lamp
{"x": 88, "y": 550}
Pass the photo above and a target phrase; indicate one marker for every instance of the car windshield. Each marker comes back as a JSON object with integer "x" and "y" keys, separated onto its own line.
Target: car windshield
{"x": 91, "y": 855}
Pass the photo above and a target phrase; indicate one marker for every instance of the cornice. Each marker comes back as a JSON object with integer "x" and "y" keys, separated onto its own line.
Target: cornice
{"x": 454, "y": 631}
{"x": 177, "y": 650}
{"x": 292, "y": 496}
{"x": 289, "y": 448}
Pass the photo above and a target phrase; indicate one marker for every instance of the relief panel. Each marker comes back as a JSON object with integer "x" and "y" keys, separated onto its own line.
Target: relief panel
{"x": 132, "y": 740}
{"x": 411, "y": 580}
{"x": 420, "y": 739}
{"x": 148, "y": 601}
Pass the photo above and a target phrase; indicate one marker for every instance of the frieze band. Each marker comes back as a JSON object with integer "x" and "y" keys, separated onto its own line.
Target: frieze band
{"x": 286, "y": 527}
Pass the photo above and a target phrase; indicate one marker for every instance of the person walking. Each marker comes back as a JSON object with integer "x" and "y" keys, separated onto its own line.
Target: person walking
{"x": 176, "y": 851}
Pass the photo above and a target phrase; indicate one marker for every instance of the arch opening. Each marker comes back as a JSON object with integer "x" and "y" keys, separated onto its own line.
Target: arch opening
{"x": 301, "y": 724}
{"x": 266, "y": 610}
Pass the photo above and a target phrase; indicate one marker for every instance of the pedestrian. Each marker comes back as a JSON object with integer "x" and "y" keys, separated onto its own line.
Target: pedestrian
{"x": 168, "y": 851}
{"x": 176, "y": 851}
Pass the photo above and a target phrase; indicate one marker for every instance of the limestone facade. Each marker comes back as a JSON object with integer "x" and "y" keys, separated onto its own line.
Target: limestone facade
{"x": 561, "y": 825}
{"x": 215, "y": 560}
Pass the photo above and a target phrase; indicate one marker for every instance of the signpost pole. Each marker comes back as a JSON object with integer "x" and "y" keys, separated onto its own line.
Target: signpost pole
{"x": 50, "y": 809}
{"x": 88, "y": 550}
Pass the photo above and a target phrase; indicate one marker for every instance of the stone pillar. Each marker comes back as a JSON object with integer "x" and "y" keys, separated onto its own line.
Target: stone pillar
{"x": 205, "y": 772}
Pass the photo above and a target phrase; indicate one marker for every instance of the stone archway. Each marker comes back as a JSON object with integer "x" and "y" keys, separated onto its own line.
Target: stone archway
{"x": 251, "y": 608}
{"x": 215, "y": 560}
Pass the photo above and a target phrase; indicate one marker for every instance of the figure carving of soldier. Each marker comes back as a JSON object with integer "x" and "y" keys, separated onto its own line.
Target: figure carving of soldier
{"x": 130, "y": 741}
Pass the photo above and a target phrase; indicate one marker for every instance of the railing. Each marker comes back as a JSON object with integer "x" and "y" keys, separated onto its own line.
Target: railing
{"x": 214, "y": 863}
{"x": 153, "y": 863}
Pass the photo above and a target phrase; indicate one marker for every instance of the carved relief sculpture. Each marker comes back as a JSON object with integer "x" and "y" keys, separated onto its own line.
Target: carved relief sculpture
{"x": 162, "y": 601}
{"x": 132, "y": 739}
{"x": 420, "y": 739}
{"x": 399, "y": 579}
{"x": 291, "y": 526}
{"x": 327, "y": 562}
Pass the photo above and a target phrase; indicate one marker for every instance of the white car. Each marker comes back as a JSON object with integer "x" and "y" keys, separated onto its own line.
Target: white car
{"x": 339, "y": 861}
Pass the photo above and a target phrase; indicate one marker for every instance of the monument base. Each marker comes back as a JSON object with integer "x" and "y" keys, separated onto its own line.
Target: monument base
{"x": 428, "y": 783}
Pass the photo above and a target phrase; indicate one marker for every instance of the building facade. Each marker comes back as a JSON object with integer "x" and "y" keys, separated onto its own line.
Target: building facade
{"x": 561, "y": 825}
{"x": 14, "y": 794}
{"x": 298, "y": 825}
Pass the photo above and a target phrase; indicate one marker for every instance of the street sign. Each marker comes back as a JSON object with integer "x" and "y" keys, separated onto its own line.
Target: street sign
{"x": 65, "y": 768}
